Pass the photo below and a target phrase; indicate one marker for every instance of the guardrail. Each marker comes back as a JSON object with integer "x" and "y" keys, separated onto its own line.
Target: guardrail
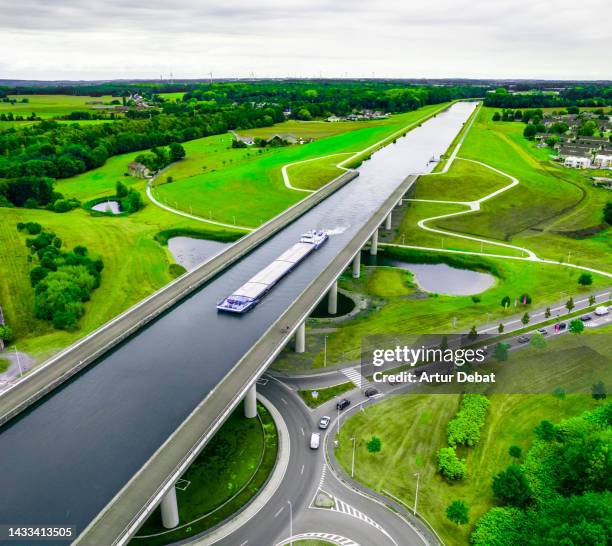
{"x": 126, "y": 512}
{"x": 76, "y": 357}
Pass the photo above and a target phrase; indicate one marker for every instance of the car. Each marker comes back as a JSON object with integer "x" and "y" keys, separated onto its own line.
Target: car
{"x": 315, "y": 440}
{"x": 601, "y": 311}
{"x": 561, "y": 326}
{"x": 543, "y": 331}
{"x": 324, "y": 422}
{"x": 344, "y": 403}
{"x": 586, "y": 318}
{"x": 370, "y": 392}
{"x": 523, "y": 339}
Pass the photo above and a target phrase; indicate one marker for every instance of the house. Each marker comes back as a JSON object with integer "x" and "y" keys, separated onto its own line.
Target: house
{"x": 333, "y": 119}
{"x": 603, "y": 161}
{"x": 577, "y": 162}
{"x": 138, "y": 170}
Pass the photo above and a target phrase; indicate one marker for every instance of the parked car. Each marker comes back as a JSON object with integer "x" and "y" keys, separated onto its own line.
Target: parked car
{"x": 561, "y": 325}
{"x": 315, "y": 440}
{"x": 601, "y": 311}
{"x": 370, "y": 392}
{"x": 523, "y": 338}
{"x": 586, "y": 318}
{"x": 324, "y": 422}
{"x": 344, "y": 403}
{"x": 543, "y": 331}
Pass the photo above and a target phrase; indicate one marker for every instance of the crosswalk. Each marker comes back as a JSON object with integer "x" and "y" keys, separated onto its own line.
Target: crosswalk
{"x": 345, "y": 508}
{"x": 354, "y": 375}
{"x": 330, "y": 537}
{"x": 323, "y": 473}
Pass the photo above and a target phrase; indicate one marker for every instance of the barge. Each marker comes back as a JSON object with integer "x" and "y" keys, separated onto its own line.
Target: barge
{"x": 251, "y": 292}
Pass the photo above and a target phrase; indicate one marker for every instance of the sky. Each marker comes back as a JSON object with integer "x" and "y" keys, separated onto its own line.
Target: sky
{"x": 112, "y": 39}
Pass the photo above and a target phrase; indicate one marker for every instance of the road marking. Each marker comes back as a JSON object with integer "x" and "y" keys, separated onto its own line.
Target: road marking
{"x": 354, "y": 375}
{"x": 302, "y": 471}
{"x": 322, "y": 479}
{"x": 344, "y": 508}
{"x": 303, "y": 434}
{"x": 279, "y": 512}
{"x": 283, "y": 400}
{"x": 339, "y": 540}
{"x": 244, "y": 543}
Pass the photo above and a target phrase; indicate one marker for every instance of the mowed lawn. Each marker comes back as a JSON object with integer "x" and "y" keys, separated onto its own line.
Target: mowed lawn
{"x": 412, "y": 427}
{"x": 49, "y": 106}
{"x": 547, "y": 212}
{"x": 246, "y": 186}
{"x": 401, "y": 312}
{"x": 135, "y": 265}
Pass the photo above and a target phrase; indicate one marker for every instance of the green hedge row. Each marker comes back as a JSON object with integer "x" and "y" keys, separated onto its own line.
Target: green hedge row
{"x": 465, "y": 427}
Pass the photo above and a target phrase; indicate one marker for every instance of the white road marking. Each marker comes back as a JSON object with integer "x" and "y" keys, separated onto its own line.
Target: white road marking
{"x": 303, "y": 434}
{"x": 283, "y": 401}
{"x": 279, "y": 512}
{"x": 244, "y": 543}
{"x": 302, "y": 471}
{"x": 330, "y": 537}
{"x": 354, "y": 375}
{"x": 344, "y": 508}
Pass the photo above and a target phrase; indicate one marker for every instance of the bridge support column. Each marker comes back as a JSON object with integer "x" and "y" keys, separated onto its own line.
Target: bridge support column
{"x": 357, "y": 265}
{"x": 388, "y": 221}
{"x": 332, "y": 299}
{"x": 250, "y": 402}
{"x": 300, "y": 338}
{"x": 169, "y": 509}
{"x": 374, "y": 244}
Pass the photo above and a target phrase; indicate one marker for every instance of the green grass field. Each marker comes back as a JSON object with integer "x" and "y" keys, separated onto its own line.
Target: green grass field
{"x": 552, "y": 210}
{"x": 247, "y": 186}
{"x": 402, "y": 311}
{"x": 413, "y": 427}
{"x": 50, "y": 106}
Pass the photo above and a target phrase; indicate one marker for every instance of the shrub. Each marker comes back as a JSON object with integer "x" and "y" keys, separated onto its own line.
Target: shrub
{"x": 465, "y": 427}
{"x": 512, "y": 487}
{"x": 176, "y": 270}
{"x": 374, "y": 445}
{"x": 585, "y": 279}
{"x": 498, "y": 527}
{"x": 451, "y": 466}
{"x": 458, "y": 512}
{"x": 6, "y": 333}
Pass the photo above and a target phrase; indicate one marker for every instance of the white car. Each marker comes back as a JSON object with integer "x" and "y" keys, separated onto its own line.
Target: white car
{"x": 315, "y": 440}
{"x": 601, "y": 311}
{"x": 324, "y": 422}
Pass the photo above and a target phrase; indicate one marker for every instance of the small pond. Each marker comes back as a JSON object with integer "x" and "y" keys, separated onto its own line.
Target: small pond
{"x": 444, "y": 279}
{"x": 190, "y": 252}
{"x": 345, "y": 306}
{"x": 107, "y": 206}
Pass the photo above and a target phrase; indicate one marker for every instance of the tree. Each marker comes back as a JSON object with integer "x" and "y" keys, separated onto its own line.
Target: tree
{"x": 585, "y": 279}
{"x": 530, "y": 131}
{"x": 121, "y": 190}
{"x": 592, "y": 299}
{"x": 176, "y": 151}
{"x": 505, "y": 302}
{"x": 496, "y": 116}
{"x": 512, "y": 487}
{"x": 525, "y": 319}
{"x": 500, "y": 328}
{"x": 500, "y": 353}
{"x": 598, "y": 391}
{"x": 525, "y": 299}
{"x": 6, "y": 333}
{"x": 472, "y": 334}
{"x": 515, "y": 452}
{"x": 569, "y": 305}
{"x": 451, "y": 466}
{"x": 458, "y": 512}
{"x": 374, "y": 444}
{"x": 559, "y": 393}
{"x": 607, "y": 213}
{"x": 545, "y": 430}
{"x": 576, "y": 326}
{"x": 537, "y": 341}
{"x": 547, "y": 313}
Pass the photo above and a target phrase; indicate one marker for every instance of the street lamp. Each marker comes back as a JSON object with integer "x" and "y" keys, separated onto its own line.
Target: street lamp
{"x": 353, "y": 463}
{"x": 18, "y": 361}
{"x": 416, "y": 495}
{"x": 338, "y": 408}
{"x": 290, "y": 523}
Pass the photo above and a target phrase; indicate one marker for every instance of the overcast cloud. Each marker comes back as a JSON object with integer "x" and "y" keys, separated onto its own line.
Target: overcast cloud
{"x": 83, "y": 39}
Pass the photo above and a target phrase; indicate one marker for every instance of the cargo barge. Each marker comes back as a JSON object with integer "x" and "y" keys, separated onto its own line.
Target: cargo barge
{"x": 251, "y": 292}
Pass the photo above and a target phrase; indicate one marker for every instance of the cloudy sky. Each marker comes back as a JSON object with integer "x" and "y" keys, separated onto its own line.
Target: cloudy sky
{"x": 87, "y": 39}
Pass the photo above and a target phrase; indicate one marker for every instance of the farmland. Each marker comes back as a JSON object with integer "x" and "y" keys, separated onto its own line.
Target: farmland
{"x": 50, "y": 106}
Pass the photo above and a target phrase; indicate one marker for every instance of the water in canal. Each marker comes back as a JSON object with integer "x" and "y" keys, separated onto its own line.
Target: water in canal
{"x": 190, "y": 252}
{"x": 64, "y": 459}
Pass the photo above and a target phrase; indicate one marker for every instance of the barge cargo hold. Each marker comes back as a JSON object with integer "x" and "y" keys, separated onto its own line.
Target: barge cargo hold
{"x": 251, "y": 292}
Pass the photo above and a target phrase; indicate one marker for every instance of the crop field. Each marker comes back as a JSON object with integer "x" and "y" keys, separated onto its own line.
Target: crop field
{"x": 412, "y": 427}
{"x": 49, "y": 106}
{"x": 246, "y": 186}
{"x": 402, "y": 311}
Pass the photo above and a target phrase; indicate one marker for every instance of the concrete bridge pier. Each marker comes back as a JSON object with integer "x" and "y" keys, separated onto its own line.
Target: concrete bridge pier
{"x": 388, "y": 221}
{"x": 250, "y": 402}
{"x": 300, "y": 338}
{"x": 357, "y": 265}
{"x": 169, "y": 509}
{"x": 332, "y": 299}
{"x": 374, "y": 244}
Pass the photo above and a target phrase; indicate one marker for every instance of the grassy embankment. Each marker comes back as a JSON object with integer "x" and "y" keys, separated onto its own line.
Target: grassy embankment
{"x": 413, "y": 427}
{"x": 554, "y": 211}
{"x": 231, "y": 469}
{"x": 246, "y": 185}
{"x": 399, "y": 308}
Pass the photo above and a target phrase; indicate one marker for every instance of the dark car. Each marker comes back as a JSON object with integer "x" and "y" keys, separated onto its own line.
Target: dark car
{"x": 344, "y": 403}
{"x": 523, "y": 339}
{"x": 586, "y": 318}
{"x": 561, "y": 325}
{"x": 370, "y": 392}
{"x": 543, "y": 331}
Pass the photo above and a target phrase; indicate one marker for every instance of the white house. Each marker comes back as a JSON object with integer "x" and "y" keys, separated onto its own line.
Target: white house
{"x": 603, "y": 161}
{"x": 577, "y": 162}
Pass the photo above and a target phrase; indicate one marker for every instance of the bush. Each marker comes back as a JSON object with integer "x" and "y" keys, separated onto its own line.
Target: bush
{"x": 498, "y": 527}
{"x": 451, "y": 466}
{"x": 512, "y": 487}
{"x": 6, "y": 333}
{"x": 465, "y": 427}
{"x": 374, "y": 445}
{"x": 65, "y": 205}
{"x": 586, "y": 279}
{"x": 176, "y": 270}
{"x": 33, "y": 228}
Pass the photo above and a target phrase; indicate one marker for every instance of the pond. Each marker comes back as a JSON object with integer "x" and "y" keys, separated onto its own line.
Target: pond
{"x": 107, "y": 206}
{"x": 444, "y": 279}
{"x": 190, "y": 252}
